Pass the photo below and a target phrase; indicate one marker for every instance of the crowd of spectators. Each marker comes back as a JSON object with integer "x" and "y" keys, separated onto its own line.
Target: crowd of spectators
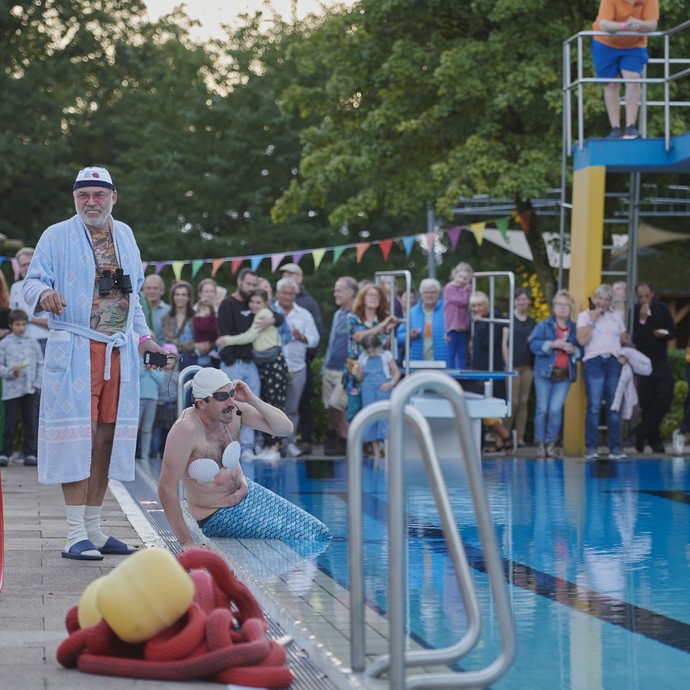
{"x": 268, "y": 335}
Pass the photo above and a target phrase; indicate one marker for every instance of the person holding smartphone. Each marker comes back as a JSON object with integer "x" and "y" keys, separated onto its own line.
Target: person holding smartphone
{"x": 86, "y": 273}
{"x": 653, "y": 327}
{"x": 601, "y": 332}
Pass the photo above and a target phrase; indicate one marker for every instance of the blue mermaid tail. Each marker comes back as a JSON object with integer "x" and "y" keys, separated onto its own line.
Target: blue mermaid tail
{"x": 265, "y": 515}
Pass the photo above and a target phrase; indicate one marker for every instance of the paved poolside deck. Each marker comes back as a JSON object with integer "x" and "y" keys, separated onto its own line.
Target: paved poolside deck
{"x": 40, "y": 587}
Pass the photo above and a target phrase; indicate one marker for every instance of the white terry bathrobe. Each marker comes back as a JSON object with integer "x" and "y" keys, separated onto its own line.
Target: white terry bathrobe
{"x": 64, "y": 261}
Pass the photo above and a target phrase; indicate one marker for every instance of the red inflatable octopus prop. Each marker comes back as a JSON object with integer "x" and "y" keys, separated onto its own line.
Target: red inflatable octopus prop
{"x": 220, "y": 636}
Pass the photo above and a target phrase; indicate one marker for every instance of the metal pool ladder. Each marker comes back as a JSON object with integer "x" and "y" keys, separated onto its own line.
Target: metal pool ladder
{"x": 397, "y": 661}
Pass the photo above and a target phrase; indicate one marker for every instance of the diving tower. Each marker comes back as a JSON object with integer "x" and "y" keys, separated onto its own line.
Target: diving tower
{"x": 592, "y": 159}
{"x": 635, "y": 155}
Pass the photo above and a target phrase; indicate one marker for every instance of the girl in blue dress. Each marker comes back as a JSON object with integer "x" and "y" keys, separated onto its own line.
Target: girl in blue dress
{"x": 377, "y": 372}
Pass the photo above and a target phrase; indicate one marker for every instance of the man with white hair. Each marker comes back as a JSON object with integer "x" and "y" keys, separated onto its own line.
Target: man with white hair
{"x": 306, "y": 410}
{"x": 427, "y": 328}
{"x": 154, "y": 289}
{"x": 203, "y": 452}
{"x": 304, "y": 335}
{"x": 86, "y": 273}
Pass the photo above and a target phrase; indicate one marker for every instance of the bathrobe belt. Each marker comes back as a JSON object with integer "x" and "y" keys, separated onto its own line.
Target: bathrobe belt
{"x": 118, "y": 339}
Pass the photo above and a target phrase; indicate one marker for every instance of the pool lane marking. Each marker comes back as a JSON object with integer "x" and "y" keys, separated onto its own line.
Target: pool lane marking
{"x": 635, "y": 619}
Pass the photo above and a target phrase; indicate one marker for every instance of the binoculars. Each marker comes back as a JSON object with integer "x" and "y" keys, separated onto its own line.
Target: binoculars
{"x": 118, "y": 281}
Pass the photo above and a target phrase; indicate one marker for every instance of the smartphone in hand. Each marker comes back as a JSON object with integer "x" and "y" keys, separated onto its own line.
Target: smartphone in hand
{"x": 155, "y": 359}
{"x": 592, "y": 306}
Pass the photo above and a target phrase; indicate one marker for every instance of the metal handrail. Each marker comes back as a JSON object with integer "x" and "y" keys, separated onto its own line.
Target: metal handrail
{"x": 184, "y": 384}
{"x": 396, "y": 662}
{"x": 668, "y": 78}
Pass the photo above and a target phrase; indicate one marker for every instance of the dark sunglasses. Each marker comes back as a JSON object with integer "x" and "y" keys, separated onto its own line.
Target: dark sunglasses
{"x": 222, "y": 396}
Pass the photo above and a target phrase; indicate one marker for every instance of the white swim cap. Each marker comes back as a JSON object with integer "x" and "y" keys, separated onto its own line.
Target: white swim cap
{"x": 207, "y": 381}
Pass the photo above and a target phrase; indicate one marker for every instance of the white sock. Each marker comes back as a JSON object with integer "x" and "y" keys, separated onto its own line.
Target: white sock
{"x": 92, "y": 520}
{"x": 75, "y": 525}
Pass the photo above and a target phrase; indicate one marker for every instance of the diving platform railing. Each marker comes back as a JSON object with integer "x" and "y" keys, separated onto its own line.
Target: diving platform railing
{"x": 671, "y": 75}
{"x": 397, "y": 661}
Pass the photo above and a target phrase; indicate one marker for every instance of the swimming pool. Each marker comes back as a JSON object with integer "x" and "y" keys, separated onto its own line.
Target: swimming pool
{"x": 597, "y": 556}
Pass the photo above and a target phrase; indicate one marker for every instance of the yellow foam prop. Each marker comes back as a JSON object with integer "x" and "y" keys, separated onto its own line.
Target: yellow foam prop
{"x": 143, "y": 596}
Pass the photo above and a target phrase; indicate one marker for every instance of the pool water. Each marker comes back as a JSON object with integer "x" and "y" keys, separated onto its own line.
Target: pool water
{"x": 596, "y": 554}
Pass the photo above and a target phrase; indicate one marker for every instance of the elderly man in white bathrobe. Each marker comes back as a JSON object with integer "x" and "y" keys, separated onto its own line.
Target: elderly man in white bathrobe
{"x": 86, "y": 273}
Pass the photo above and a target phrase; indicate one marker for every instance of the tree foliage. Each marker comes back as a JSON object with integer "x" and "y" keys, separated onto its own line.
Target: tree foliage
{"x": 435, "y": 100}
{"x": 283, "y": 136}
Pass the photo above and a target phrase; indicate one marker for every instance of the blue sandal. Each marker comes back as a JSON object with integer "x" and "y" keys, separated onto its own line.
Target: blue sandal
{"x": 83, "y": 550}
{"x": 115, "y": 547}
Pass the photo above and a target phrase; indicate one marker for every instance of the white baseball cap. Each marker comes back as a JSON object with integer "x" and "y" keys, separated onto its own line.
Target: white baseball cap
{"x": 94, "y": 177}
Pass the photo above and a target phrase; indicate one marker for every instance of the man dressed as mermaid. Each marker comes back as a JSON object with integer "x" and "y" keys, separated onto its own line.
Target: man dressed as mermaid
{"x": 202, "y": 451}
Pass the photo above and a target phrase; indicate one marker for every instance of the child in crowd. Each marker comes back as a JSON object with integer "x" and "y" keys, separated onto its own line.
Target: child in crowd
{"x": 205, "y": 330}
{"x": 378, "y": 373}
{"x": 149, "y": 382}
{"x": 21, "y": 369}
{"x": 269, "y": 359}
{"x": 456, "y": 317}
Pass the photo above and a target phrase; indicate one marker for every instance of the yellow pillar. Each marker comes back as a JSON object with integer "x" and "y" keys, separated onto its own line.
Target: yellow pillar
{"x": 586, "y": 242}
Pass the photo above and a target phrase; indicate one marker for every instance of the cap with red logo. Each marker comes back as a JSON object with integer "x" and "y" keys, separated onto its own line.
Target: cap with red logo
{"x": 94, "y": 177}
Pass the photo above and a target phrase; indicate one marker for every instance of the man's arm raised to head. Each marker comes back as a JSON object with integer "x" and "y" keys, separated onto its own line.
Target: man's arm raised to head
{"x": 259, "y": 415}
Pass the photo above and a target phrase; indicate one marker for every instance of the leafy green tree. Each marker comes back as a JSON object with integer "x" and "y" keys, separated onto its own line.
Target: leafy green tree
{"x": 434, "y": 100}
{"x": 55, "y": 56}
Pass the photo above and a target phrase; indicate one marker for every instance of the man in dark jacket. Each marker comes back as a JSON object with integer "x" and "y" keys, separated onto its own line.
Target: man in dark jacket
{"x": 235, "y": 317}
{"x": 653, "y": 327}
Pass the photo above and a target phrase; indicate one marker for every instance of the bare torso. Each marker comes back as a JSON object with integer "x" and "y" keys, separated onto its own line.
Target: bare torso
{"x": 228, "y": 487}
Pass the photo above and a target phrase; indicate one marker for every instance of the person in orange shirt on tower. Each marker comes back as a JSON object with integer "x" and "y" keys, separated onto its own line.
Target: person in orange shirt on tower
{"x": 623, "y": 56}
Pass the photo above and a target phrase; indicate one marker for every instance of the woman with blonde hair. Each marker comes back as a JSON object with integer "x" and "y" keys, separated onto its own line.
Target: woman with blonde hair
{"x": 601, "y": 332}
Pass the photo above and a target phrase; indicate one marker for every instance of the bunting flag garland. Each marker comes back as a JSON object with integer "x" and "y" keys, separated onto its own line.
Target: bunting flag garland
{"x": 275, "y": 261}
{"x": 408, "y": 242}
{"x": 318, "y": 255}
{"x": 524, "y": 220}
{"x": 454, "y": 235}
{"x": 177, "y": 269}
{"x": 385, "y": 246}
{"x": 361, "y": 249}
{"x": 216, "y": 264}
{"x": 478, "y": 231}
{"x": 502, "y": 226}
{"x": 144, "y": 266}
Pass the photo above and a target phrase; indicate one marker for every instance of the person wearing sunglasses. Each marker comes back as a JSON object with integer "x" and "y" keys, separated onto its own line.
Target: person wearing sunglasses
{"x": 199, "y": 453}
